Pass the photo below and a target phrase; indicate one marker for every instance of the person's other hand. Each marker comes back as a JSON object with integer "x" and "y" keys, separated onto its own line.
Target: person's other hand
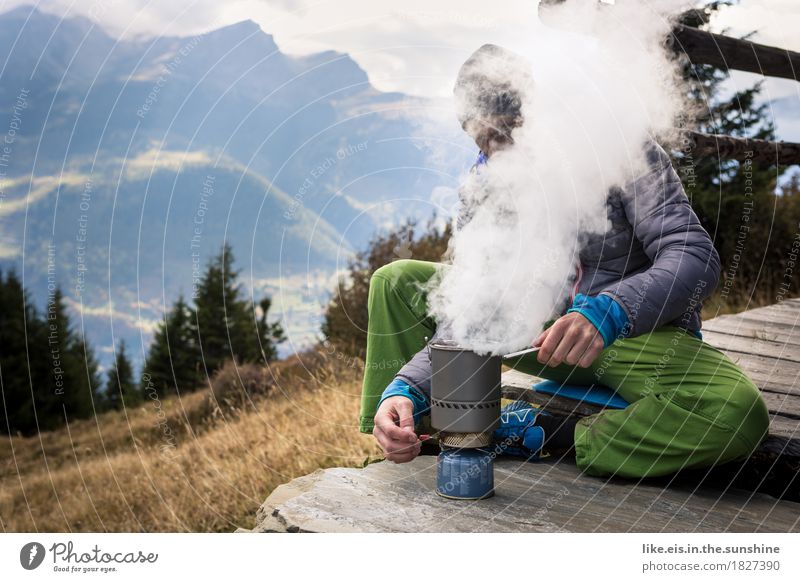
{"x": 394, "y": 429}
{"x": 571, "y": 340}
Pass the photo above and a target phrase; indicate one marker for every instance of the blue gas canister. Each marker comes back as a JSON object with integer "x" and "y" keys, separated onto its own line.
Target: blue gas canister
{"x": 466, "y": 473}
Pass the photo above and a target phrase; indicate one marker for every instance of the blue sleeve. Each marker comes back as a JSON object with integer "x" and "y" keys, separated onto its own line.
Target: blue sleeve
{"x": 399, "y": 387}
{"x": 606, "y": 315}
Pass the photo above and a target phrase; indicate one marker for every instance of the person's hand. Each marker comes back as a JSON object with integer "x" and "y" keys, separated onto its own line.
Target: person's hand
{"x": 394, "y": 429}
{"x": 571, "y": 340}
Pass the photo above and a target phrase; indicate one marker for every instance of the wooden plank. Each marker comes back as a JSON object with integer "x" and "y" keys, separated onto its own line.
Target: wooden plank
{"x": 755, "y": 329}
{"x": 792, "y": 303}
{"x": 760, "y": 322}
{"x": 785, "y": 315}
{"x": 784, "y": 427}
{"x": 785, "y": 311}
{"x": 761, "y": 369}
{"x": 760, "y": 151}
{"x": 752, "y": 346}
{"x": 733, "y": 53}
{"x": 784, "y": 405}
{"x": 530, "y": 497}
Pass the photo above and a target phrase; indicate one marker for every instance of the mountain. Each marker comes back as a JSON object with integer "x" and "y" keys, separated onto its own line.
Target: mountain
{"x": 116, "y": 149}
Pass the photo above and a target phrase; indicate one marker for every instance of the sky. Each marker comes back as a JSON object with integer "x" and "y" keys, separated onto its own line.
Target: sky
{"x": 413, "y": 46}
{"x": 775, "y": 23}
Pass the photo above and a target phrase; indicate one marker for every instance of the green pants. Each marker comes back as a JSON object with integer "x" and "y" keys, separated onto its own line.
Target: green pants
{"x": 690, "y": 407}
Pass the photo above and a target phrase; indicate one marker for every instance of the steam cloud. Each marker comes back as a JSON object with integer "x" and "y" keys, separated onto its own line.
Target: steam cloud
{"x": 602, "y": 85}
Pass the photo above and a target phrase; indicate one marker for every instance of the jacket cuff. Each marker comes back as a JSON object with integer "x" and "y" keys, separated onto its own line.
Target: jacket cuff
{"x": 606, "y": 314}
{"x": 400, "y": 387}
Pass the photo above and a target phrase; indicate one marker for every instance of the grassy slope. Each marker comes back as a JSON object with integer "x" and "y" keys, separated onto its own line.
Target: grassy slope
{"x": 121, "y": 472}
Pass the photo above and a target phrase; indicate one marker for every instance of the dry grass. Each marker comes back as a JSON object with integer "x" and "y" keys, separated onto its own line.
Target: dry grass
{"x": 194, "y": 466}
{"x": 203, "y": 461}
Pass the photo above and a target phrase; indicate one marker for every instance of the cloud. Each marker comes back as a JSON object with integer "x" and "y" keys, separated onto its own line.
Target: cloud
{"x": 414, "y": 47}
{"x": 147, "y": 162}
{"x": 775, "y": 22}
{"x": 38, "y": 188}
{"x": 108, "y": 312}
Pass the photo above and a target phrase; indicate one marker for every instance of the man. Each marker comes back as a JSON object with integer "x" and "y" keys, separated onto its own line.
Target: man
{"x": 634, "y": 326}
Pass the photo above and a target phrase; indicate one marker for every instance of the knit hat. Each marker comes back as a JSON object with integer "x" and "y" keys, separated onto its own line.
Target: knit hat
{"x": 492, "y": 81}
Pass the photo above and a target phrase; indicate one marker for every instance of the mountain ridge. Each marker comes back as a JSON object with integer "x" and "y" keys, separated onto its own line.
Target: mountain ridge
{"x": 309, "y": 160}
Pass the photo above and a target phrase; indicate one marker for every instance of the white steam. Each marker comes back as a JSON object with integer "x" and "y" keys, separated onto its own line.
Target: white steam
{"x": 600, "y": 90}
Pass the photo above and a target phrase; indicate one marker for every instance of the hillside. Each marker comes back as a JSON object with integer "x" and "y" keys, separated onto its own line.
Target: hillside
{"x": 184, "y": 464}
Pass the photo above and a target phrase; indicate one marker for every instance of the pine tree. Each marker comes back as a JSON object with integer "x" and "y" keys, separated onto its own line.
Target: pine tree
{"x": 221, "y": 326}
{"x": 17, "y": 320}
{"x": 121, "y": 390}
{"x": 75, "y": 380}
{"x": 225, "y": 328}
{"x": 89, "y": 372}
{"x": 48, "y": 373}
{"x": 172, "y": 363}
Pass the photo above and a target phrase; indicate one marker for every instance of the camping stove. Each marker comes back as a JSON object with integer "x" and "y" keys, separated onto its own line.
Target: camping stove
{"x": 465, "y": 409}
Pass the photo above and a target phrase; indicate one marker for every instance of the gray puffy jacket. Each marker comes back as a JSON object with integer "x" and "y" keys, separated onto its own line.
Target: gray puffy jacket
{"x": 657, "y": 260}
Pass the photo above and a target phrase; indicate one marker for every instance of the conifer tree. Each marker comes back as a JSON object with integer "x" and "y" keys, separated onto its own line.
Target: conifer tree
{"x": 48, "y": 372}
{"x": 17, "y": 320}
{"x": 172, "y": 363}
{"x": 226, "y": 325}
{"x": 75, "y": 379}
{"x": 121, "y": 390}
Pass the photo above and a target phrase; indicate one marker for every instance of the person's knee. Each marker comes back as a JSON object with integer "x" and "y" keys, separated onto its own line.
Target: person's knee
{"x": 736, "y": 413}
{"x": 392, "y": 272}
{"x": 400, "y": 275}
{"x": 751, "y": 417}
{"x": 741, "y": 417}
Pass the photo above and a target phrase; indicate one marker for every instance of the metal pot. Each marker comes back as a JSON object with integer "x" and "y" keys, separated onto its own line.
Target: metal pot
{"x": 465, "y": 390}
